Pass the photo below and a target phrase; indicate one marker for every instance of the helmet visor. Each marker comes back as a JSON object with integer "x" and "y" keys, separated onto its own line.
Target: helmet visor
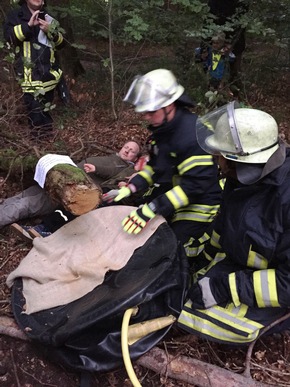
{"x": 147, "y": 96}
{"x": 222, "y": 141}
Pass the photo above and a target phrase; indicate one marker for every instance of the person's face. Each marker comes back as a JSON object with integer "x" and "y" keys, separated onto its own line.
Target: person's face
{"x": 34, "y": 4}
{"x": 157, "y": 117}
{"x": 217, "y": 44}
{"x": 130, "y": 151}
{"x": 227, "y": 167}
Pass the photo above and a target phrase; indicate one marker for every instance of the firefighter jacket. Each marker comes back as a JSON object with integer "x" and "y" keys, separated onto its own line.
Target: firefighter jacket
{"x": 35, "y": 63}
{"x": 249, "y": 260}
{"x": 177, "y": 162}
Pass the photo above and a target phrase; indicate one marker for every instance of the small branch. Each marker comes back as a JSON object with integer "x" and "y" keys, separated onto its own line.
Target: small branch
{"x": 36, "y": 151}
{"x": 15, "y": 369}
{"x": 247, "y": 372}
{"x": 78, "y": 150}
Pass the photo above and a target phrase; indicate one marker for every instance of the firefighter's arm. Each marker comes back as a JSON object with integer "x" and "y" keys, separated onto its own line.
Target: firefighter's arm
{"x": 16, "y": 33}
{"x": 117, "y": 195}
{"x": 139, "y": 182}
{"x": 254, "y": 288}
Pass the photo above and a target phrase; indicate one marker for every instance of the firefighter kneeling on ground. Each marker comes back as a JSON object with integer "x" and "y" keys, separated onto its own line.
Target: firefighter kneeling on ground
{"x": 246, "y": 283}
{"x": 188, "y": 191}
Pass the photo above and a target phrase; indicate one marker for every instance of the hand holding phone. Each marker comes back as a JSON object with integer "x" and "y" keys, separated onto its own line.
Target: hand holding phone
{"x": 41, "y": 15}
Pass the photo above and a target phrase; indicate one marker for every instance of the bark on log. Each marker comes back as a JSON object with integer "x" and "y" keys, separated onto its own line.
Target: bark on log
{"x": 193, "y": 371}
{"x": 73, "y": 188}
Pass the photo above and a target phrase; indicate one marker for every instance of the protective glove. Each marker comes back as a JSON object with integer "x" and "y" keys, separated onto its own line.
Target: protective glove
{"x": 110, "y": 195}
{"x": 201, "y": 293}
{"x": 117, "y": 194}
{"x": 137, "y": 220}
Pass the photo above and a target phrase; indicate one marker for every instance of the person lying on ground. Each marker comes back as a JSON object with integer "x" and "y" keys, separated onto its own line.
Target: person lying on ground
{"x": 53, "y": 221}
{"x": 34, "y": 201}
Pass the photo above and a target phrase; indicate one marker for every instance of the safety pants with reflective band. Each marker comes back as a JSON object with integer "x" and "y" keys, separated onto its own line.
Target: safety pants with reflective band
{"x": 228, "y": 324}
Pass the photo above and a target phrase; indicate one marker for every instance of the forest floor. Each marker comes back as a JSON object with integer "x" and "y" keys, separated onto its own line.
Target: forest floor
{"x": 84, "y": 128}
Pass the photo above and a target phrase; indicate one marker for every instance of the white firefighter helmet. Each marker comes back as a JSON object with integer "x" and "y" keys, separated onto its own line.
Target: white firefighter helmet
{"x": 153, "y": 91}
{"x": 240, "y": 134}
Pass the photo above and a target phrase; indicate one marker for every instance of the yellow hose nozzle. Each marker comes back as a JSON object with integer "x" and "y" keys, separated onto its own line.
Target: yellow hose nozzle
{"x": 139, "y": 330}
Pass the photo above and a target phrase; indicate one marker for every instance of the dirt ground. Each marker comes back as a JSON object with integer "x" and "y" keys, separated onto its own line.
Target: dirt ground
{"x": 85, "y": 129}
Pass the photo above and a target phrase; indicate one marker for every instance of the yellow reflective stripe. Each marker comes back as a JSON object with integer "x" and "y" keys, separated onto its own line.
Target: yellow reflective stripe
{"x": 52, "y": 58}
{"x": 28, "y": 89}
{"x": 197, "y": 213}
{"x": 232, "y": 318}
{"x": 265, "y": 288}
{"x": 59, "y": 39}
{"x": 205, "y": 237}
{"x": 18, "y": 32}
{"x": 240, "y": 310}
{"x": 177, "y": 197}
{"x": 214, "y": 240}
{"x": 27, "y": 59}
{"x": 40, "y": 83}
{"x": 194, "y": 161}
{"x": 206, "y": 208}
{"x": 215, "y": 60}
{"x": 195, "y": 250}
{"x": 213, "y": 261}
{"x": 256, "y": 260}
{"x": 233, "y": 289}
{"x": 56, "y": 74}
{"x": 202, "y": 325}
{"x": 147, "y": 173}
{"x": 31, "y": 87}
{"x": 222, "y": 183}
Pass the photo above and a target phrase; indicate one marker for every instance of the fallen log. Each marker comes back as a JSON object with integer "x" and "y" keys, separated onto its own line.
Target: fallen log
{"x": 73, "y": 188}
{"x": 181, "y": 368}
{"x": 192, "y": 371}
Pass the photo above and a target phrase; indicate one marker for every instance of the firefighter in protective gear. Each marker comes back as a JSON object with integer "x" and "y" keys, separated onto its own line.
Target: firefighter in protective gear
{"x": 188, "y": 192}
{"x": 35, "y": 36}
{"x": 245, "y": 285}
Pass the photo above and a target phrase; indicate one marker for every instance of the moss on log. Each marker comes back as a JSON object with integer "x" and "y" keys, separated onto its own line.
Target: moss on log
{"x": 11, "y": 160}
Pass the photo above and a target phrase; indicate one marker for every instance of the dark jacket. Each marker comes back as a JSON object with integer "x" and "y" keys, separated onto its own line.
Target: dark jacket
{"x": 110, "y": 170}
{"x": 35, "y": 62}
{"x": 253, "y": 230}
{"x": 177, "y": 162}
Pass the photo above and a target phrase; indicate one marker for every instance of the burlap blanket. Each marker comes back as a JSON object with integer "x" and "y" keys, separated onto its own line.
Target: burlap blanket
{"x": 74, "y": 260}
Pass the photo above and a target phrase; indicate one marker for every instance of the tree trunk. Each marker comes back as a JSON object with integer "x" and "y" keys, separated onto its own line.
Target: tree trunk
{"x": 73, "y": 188}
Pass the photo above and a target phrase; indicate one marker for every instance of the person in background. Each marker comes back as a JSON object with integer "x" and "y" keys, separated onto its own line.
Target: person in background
{"x": 216, "y": 59}
{"x": 231, "y": 11}
{"x": 218, "y": 62}
{"x": 245, "y": 284}
{"x": 35, "y": 33}
{"x": 189, "y": 191}
{"x": 34, "y": 201}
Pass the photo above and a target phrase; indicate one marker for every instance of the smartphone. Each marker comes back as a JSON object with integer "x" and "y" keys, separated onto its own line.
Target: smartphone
{"x": 41, "y": 15}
